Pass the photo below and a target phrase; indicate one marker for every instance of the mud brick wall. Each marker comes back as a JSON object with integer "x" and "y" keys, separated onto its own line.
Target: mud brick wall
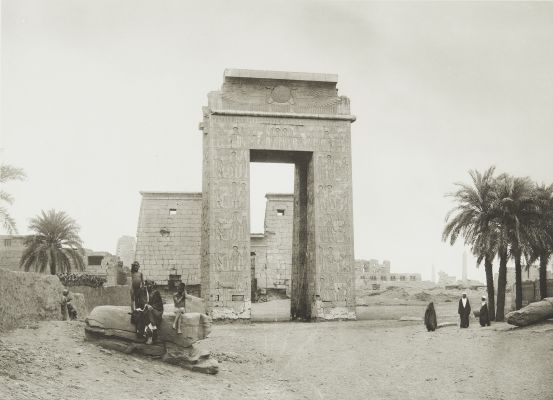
{"x": 27, "y": 296}
{"x": 168, "y": 236}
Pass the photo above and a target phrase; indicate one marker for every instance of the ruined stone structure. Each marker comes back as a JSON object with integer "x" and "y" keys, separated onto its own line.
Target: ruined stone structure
{"x": 168, "y": 248}
{"x": 271, "y": 253}
{"x": 370, "y": 274}
{"x": 168, "y": 237}
{"x": 261, "y": 116}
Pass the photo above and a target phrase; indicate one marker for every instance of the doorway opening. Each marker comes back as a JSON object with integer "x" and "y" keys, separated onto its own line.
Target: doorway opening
{"x": 279, "y": 237}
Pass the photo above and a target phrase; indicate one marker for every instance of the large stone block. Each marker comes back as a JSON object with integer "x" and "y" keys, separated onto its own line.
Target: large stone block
{"x": 114, "y": 322}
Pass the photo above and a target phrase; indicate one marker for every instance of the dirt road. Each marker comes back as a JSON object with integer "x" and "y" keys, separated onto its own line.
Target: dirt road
{"x": 334, "y": 360}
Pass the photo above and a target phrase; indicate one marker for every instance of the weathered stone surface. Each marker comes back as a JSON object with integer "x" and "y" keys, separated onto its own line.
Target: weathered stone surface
{"x": 110, "y": 328}
{"x": 185, "y": 357}
{"x": 267, "y": 116}
{"x": 168, "y": 238}
{"x": 114, "y": 322}
{"x": 532, "y": 313}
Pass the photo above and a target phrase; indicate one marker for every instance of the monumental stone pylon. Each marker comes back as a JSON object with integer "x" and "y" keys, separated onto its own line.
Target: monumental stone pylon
{"x": 285, "y": 117}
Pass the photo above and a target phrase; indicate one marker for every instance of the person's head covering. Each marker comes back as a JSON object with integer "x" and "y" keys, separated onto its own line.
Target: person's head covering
{"x": 65, "y": 292}
{"x": 149, "y": 284}
{"x": 134, "y": 266}
{"x": 483, "y": 297}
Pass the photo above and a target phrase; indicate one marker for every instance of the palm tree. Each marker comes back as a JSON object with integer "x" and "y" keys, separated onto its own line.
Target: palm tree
{"x": 542, "y": 245}
{"x": 503, "y": 255}
{"x": 8, "y": 173}
{"x": 517, "y": 217}
{"x": 473, "y": 220}
{"x": 55, "y": 247}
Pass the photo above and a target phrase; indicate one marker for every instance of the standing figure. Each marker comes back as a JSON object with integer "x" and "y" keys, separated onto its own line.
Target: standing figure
{"x": 430, "y": 318}
{"x": 484, "y": 315}
{"x": 464, "y": 310}
{"x": 137, "y": 280}
{"x": 180, "y": 303}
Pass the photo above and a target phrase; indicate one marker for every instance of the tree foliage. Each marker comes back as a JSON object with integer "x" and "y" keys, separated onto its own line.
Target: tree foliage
{"x": 55, "y": 246}
{"x": 8, "y": 173}
{"x": 507, "y": 217}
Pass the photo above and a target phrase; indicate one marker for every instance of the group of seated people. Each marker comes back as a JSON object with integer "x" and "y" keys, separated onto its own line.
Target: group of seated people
{"x": 147, "y": 305}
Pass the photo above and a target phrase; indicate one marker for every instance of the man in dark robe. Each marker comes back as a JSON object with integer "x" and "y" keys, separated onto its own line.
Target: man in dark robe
{"x": 464, "y": 310}
{"x": 153, "y": 313}
{"x": 430, "y": 318}
{"x": 484, "y": 315}
{"x": 138, "y": 314}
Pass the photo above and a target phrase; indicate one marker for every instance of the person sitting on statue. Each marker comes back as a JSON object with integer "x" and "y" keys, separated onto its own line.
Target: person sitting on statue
{"x": 484, "y": 315}
{"x": 153, "y": 312}
{"x": 180, "y": 302}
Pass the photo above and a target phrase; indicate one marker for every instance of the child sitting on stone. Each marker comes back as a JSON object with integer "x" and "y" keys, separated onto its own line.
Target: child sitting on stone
{"x": 180, "y": 302}
{"x": 67, "y": 308}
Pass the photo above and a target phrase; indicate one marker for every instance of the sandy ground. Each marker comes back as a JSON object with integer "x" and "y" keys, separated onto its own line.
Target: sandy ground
{"x": 332, "y": 360}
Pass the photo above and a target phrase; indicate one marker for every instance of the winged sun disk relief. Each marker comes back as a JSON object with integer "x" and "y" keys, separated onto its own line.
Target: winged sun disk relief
{"x": 315, "y": 98}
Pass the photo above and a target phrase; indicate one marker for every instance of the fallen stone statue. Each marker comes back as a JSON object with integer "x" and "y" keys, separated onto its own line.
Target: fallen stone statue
{"x": 110, "y": 327}
{"x": 532, "y": 313}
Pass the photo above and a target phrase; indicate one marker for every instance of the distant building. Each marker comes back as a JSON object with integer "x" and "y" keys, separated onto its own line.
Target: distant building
{"x": 168, "y": 239}
{"x": 11, "y": 250}
{"x": 445, "y": 280}
{"x": 271, "y": 251}
{"x": 98, "y": 262}
{"x": 370, "y": 274}
{"x": 125, "y": 250}
{"x": 532, "y": 274}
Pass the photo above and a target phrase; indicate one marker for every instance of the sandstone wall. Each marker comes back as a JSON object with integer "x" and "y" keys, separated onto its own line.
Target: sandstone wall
{"x": 271, "y": 116}
{"x": 168, "y": 237}
{"x": 279, "y": 217}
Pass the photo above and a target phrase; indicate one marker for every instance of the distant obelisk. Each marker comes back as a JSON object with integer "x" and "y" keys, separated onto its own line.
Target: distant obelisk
{"x": 464, "y": 272}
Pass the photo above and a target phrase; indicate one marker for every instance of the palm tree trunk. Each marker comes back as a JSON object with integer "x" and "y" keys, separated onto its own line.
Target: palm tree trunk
{"x": 543, "y": 275}
{"x": 489, "y": 283}
{"x": 518, "y": 281}
{"x": 501, "y": 285}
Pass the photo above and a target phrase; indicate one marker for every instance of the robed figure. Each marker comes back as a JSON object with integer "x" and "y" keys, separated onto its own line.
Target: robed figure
{"x": 484, "y": 315}
{"x": 430, "y": 318}
{"x": 464, "y": 310}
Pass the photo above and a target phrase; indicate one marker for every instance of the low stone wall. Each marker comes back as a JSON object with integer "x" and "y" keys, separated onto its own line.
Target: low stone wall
{"x": 103, "y": 296}
{"x": 27, "y": 296}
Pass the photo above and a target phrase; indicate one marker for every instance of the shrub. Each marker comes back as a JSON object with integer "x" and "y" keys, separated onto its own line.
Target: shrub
{"x": 81, "y": 280}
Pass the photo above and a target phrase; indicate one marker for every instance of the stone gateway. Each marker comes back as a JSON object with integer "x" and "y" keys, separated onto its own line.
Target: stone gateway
{"x": 298, "y": 118}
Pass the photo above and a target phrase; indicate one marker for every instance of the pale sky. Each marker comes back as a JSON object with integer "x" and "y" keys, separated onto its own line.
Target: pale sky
{"x": 102, "y": 99}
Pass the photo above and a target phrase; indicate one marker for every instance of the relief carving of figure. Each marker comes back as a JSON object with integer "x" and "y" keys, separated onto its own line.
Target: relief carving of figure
{"x": 235, "y": 259}
{"x": 237, "y": 227}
